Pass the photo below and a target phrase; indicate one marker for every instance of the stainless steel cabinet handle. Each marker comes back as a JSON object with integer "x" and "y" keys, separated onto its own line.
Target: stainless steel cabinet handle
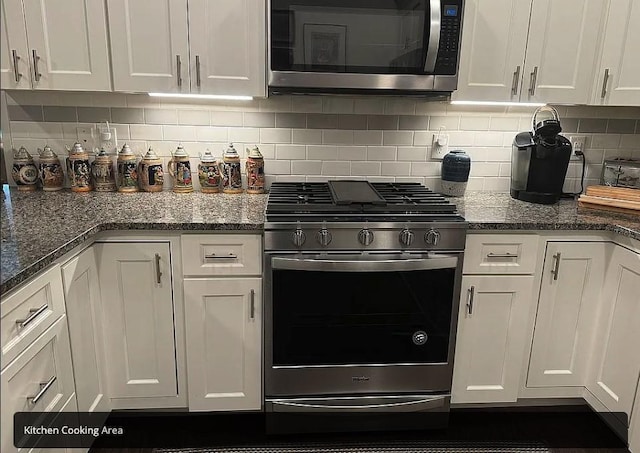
{"x": 16, "y": 73}
{"x": 198, "y": 70}
{"x": 36, "y": 59}
{"x": 471, "y": 295}
{"x": 179, "y": 70}
{"x": 532, "y": 81}
{"x": 516, "y": 81}
{"x": 556, "y": 265}
{"x": 502, "y": 255}
{"x": 158, "y": 272}
{"x": 604, "y": 83}
{"x": 35, "y": 312}
{"x": 44, "y": 386}
{"x": 213, "y": 256}
{"x": 253, "y": 304}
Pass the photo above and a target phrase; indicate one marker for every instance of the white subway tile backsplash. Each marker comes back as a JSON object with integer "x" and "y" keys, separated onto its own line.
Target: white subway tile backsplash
{"x": 275, "y": 135}
{"x": 322, "y": 152}
{"x": 226, "y": 118}
{"x": 306, "y": 167}
{"x": 497, "y": 154}
{"x": 485, "y": 169}
{"x": 412, "y": 153}
{"x": 352, "y": 152}
{"x": 397, "y": 137}
{"x": 369, "y": 106}
{"x": 488, "y": 139}
{"x": 291, "y": 152}
{"x": 306, "y": 136}
{"x": 306, "y": 104}
{"x": 396, "y": 168}
{"x": 381, "y": 152}
{"x": 336, "y": 168}
{"x": 367, "y": 137}
{"x": 244, "y": 134}
{"x": 422, "y": 138}
{"x": 337, "y": 105}
{"x": 280, "y": 167}
{"x": 460, "y": 138}
{"x": 474, "y": 123}
{"x": 605, "y": 140}
{"x": 212, "y": 134}
{"x": 449, "y": 123}
{"x": 399, "y": 106}
{"x": 498, "y": 123}
{"x": 425, "y": 168}
{"x": 145, "y": 132}
{"x": 337, "y": 137}
{"x": 360, "y": 168}
{"x": 630, "y": 141}
{"x": 179, "y": 133}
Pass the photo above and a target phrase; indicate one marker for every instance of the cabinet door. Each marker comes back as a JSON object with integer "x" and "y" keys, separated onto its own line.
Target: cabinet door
{"x": 135, "y": 285}
{"x": 562, "y": 50}
{"x": 572, "y": 277}
{"x": 616, "y": 364}
{"x": 618, "y": 80}
{"x": 149, "y": 45}
{"x": 84, "y": 311}
{"x": 68, "y": 45}
{"x": 494, "y": 39}
{"x": 490, "y": 344}
{"x": 223, "y": 327}
{"x": 634, "y": 430}
{"x": 14, "y": 53}
{"x": 228, "y": 47}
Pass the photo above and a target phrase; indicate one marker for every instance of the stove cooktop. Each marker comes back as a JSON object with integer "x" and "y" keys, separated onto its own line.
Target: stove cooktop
{"x": 357, "y": 201}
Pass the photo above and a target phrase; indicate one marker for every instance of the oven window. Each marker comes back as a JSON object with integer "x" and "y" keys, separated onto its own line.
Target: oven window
{"x": 340, "y": 318}
{"x": 352, "y": 36}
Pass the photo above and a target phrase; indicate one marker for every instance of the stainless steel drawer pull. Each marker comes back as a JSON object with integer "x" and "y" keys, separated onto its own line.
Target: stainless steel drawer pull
{"x": 471, "y": 295}
{"x": 556, "y": 265}
{"x": 516, "y": 81}
{"x": 532, "y": 81}
{"x": 213, "y": 256}
{"x": 16, "y": 73}
{"x": 253, "y": 304}
{"x": 604, "y": 83}
{"x": 179, "y": 70}
{"x": 34, "y": 313}
{"x": 158, "y": 271}
{"x": 502, "y": 255}
{"x": 36, "y": 59}
{"x": 44, "y": 386}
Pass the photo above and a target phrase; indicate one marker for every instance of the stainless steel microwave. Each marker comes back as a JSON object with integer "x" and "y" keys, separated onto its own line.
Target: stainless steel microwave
{"x": 364, "y": 46}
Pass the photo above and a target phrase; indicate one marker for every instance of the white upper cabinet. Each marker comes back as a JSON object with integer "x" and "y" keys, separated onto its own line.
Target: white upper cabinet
{"x": 228, "y": 47}
{"x": 14, "y": 52}
{"x": 494, "y": 40}
{"x": 540, "y": 51}
{"x": 68, "y": 47}
{"x": 149, "y": 45}
{"x": 562, "y": 50}
{"x": 618, "y": 76}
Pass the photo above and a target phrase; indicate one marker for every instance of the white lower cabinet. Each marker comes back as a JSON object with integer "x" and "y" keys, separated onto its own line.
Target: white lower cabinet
{"x": 140, "y": 340}
{"x": 40, "y": 379}
{"x": 490, "y": 345}
{"x": 616, "y": 358}
{"x": 572, "y": 278}
{"x": 223, "y": 337}
{"x": 634, "y": 430}
{"x": 84, "y": 311}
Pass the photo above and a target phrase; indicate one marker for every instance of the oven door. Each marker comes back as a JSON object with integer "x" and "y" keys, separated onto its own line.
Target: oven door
{"x": 358, "y": 44}
{"x": 348, "y": 324}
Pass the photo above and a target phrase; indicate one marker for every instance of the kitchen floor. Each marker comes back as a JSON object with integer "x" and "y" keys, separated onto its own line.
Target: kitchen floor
{"x": 570, "y": 429}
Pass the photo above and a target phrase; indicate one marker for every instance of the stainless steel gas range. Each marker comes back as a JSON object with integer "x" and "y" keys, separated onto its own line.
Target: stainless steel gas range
{"x": 362, "y": 283}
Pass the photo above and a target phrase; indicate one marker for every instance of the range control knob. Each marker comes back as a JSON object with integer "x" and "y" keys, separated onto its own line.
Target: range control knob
{"x": 406, "y": 237}
{"x": 432, "y": 237}
{"x": 298, "y": 237}
{"x": 365, "y": 236}
{"x": 323, "y": 237}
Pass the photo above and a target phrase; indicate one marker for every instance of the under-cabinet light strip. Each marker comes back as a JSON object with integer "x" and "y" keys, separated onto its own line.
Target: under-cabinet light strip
{"x": 221, "y": 97}
{"x": 500, "y": 103}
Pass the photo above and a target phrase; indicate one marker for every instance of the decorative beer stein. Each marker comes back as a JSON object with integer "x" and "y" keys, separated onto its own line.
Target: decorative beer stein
{"x": 209, "y": 173}
{"x": 50, "y": 170}
{"x": 127, "y": 170}
{"x": 255, "y": 171}
{"x": 230, "y": 171}
{"x": 180, "y": 170}
{"x": 103, "y": 172}
{"x": 150, "y": 172}
{"x": 24, "y": 170}
{"x": 79, "y": 169}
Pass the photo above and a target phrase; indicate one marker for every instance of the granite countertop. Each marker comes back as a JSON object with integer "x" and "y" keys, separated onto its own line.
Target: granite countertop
{"x": 39, "y": 227}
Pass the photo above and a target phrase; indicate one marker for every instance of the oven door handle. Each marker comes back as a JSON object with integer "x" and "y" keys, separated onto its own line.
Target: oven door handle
{"x": 434, "y": 36}
{"x": 355, "y": 265}
{"x": 358, "y": 405}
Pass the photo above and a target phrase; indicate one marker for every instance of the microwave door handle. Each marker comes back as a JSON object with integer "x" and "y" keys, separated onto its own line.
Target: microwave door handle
{"x": 337, "y": 265}
{"x": 434, "y": 36}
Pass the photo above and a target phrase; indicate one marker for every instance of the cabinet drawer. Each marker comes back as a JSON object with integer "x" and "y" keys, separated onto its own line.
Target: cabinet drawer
{"x": 29, "y": 311}
{"x": 221, "y": 254}
{"x": 38, "y": 380}
{"x": 500, "y": 254}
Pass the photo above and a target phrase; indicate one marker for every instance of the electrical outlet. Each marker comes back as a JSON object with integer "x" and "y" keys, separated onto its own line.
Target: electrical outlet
{"x": 85, "y": 137}
{"x": 106, "y": 138}
{"x": 578, "y": 145}
{"x": 439, "y": 146}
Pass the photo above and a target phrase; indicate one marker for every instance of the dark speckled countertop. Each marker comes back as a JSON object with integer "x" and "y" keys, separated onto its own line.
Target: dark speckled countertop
{"x": 38, "y": 228}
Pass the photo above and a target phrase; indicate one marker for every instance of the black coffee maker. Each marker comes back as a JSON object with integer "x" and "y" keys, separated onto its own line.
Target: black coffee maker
{"x": 539, "y": 160}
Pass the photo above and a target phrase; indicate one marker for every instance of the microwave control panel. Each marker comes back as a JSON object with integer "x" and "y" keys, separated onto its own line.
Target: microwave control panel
{"x": 451, "y": 17}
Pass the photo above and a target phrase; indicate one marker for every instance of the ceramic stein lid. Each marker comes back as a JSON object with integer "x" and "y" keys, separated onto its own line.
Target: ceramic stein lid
{"x": 180, "y": 152}
{"x": 47, "y": 153}
{"x": 22, "y": 154}
{"x": 102, "y": 154}
{"x": 255, "y": 153}
{"x": 207, "y": 157}
{"x": 231, "y": 152}
{"x": 151, "y": 155}
{"x": 126, "y": 150}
